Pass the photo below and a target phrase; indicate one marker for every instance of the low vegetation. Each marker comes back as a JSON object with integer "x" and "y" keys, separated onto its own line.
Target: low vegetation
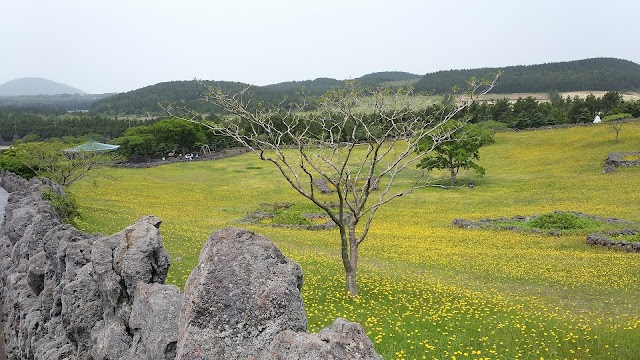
{"x": 64, "y": 205}
{"x": 553, "y": 223}
{"x": 614, "y": 117}
{"x": 564, "y": 221}
{"x": 301, "y": 215}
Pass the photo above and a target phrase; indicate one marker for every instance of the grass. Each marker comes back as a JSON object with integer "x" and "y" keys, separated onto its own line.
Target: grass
{"x": 631, "y": 157}
{"x": 428, "y": 290}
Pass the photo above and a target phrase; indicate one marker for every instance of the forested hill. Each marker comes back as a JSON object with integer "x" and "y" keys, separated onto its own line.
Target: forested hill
{"x": 604, "y": 74}
{"x": 322, "y": 85}
{"x": 145, "y": 100}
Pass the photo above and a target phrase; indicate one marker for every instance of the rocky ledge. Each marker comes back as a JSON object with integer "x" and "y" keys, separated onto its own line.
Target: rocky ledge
{"x": 71, "y": 295}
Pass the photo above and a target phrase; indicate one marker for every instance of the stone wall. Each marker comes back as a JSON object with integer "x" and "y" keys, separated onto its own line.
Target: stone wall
{"x": 615, "y": 160}
{"x": 609, "y": 240}
{"x": 71, "y": 295}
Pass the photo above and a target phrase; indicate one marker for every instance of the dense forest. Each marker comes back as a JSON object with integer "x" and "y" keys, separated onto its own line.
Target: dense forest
{"x": 322, "y": 85}
{"x": 65, "y": 102}
{"x": 604, "y": 74}
{"x": 39, "y": 123}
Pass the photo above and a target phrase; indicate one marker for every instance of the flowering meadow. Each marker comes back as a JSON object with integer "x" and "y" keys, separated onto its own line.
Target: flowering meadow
{"x": 429, "y": 290}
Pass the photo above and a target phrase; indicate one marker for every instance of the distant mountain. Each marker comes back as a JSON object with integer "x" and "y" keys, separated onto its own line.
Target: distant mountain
{"x": 36, "y": 86}
{"x": 604, "y": 74}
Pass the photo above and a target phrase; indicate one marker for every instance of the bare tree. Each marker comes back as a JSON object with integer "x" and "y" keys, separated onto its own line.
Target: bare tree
{"x": 616, "y": 126}
{"x": 357, "y": 142}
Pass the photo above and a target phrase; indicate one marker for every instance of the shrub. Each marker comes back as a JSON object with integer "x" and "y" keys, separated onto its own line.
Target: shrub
{"x": 615, "y": 117}
{"x": 65, "y": 206}
{"x": 493, "y": 126}
{"x": 290, "y": 218}
{"x": 563, "y": 221}
{"x": 10, "y": 162}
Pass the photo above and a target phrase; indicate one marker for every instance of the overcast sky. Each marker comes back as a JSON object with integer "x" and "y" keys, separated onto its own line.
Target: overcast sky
{"x": 101, "y": 46}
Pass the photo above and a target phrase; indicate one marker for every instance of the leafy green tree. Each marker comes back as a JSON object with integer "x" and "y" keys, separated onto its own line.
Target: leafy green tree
{"x": 594, "y": 105}
{"x": 181, "y": 134}
{"x": 501, "y": 110}
{"x": 631, "y": 107}
{"x": 170, "y": 135}
{"x": 528, "y": 113}
{"x": 610, "y": 101}
{"x": 460, "y": 150}
{"x": 49, "y": 159}
{"x": 137, "y": 143}
{"x": 580, "y": 111}
{"x": 10, "y": 162}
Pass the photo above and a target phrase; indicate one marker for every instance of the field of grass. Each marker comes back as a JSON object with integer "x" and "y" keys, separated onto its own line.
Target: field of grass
{"x": 429, "y": 290}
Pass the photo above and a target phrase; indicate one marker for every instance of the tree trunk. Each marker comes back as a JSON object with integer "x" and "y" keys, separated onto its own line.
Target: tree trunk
{"x": 452, "y": 169}
{"x": 350, "y": 270}
{"x": 352, "y": 287}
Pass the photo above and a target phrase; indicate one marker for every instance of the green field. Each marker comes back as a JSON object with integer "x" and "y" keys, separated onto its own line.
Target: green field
{"x": 429, "y": 290}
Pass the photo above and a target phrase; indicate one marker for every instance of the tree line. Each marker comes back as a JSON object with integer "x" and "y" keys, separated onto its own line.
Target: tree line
{"x": 169, "y": 137}
{"x": 43, "y": 122}
{"x": 531, "y": 113}
{"x": 62, "y": 102}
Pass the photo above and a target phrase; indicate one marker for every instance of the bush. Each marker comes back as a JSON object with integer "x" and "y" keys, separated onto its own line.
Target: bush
{"x": 290, "y": 218}
{"x": 563, "y": 221}
{"x": 64, "y": 206}
{"x": 615, "y": 117}
{"x": 10, "y": 162}
{"x": 493, "y": 126}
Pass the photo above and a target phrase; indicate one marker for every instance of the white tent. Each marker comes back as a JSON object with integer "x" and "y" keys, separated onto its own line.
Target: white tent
{"x": 597, "y": 119}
